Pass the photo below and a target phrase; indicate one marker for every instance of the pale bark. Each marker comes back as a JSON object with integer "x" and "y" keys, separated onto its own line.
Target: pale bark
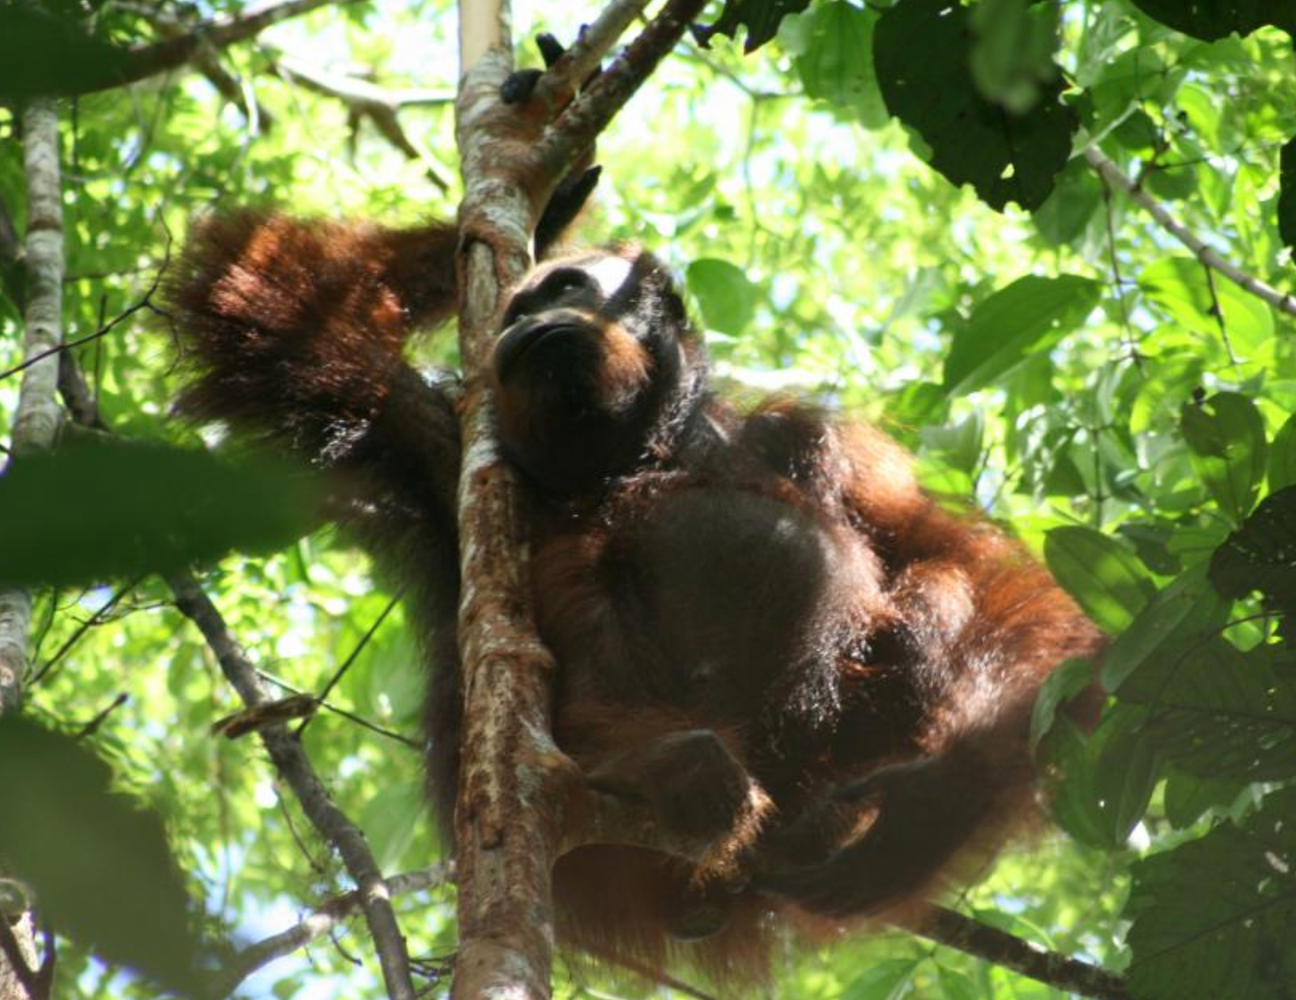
{"x": 35, "y": 426}
{"x": 36, "y": 420}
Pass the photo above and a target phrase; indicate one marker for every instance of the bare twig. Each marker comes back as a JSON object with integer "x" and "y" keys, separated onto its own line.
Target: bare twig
{"x": 954, "y": 930}
{"x": 1210, "y": 257}
{"x": 97, "y": 618}
{"x": 291, "y": 762}
{"x": 316, "y": 925}
{"x": 144, "y": 61}
{"x": 207, "y": 61}
{"x": 92, "y": 727}
{"x": 380, "y": 105}
{"x": 351, "y": 657}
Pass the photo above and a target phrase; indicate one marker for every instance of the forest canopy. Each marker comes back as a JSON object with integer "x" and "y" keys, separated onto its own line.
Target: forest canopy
{"x": 1047, "y": 246}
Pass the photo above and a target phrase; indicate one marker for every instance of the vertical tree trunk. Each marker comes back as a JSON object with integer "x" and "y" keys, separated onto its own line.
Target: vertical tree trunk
{"x": 506, "y": 821}
{"x": 35, "y": 426}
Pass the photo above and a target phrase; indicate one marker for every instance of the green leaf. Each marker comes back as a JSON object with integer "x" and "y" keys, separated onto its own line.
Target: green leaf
{"x": 1226, "y": 435}
{"x": 1220, "y": 713}
{"x": 99, "y": 863}
{"x": 1067, "y": 211}
{"x": 94, "y": 510}
{"x": 390, "y": 821}
{"x": 1182, "y": 287}
{"x": 1282, "y": 457}
{"x": 1287, "y": 195}
{"x": 921, "y": 52}
{"x": 835, "y": 59}
{"x": 760, "y": 17}
{"x": 1030, "y": 315}
{"x": 1215, "y": 917}
{"x": 1187, "y": 797}
{"x": 1105, "y": 577}
{"x": 958, "y": 446}
{"x": 725, "y": 294}
{"x": 1067, "y": 680}
{"x": 1261, "y": 555}
{"x": 1012, "y": 52}
{"x": 1212, "y": 19}
{"x": 1181, "y": 613}
{"x": 1069, "y": 780}
{"x": 1125, "y": 773}
{"x": 47, "y": 51}
{"x": 890, "y": 979}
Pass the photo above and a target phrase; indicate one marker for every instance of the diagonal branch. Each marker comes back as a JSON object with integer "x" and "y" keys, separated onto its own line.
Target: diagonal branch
{"x": 954, "y": 930}
{"x": 379, "y": 104}
{"x": 315, "y": 925}
{"x": 143, "y": 61}
{"x": 1208, "y": 255}
{"x": 290, "y": 760}
{"x": 590, "y": 112}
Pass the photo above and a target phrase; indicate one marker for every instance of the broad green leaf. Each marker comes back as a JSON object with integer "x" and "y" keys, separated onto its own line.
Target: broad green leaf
{"x": 760, "y": 17}
{"x": 1012, "y": 52}
{"x": 1187, "y": 797}
{"x": 921, "y": 53}
{"x": 1030, "y": 315}
{"x": 1215, "y": 917}
{"x": 1212, "y": 19}
{"x": 45, "y": 49}
{"x": 887, "y": 980}
{"x": 1065, "y": 682}
{"x": 724, "y": 293}
{"x": 1067, "y": 211}
{"x": 835, "y": 59}
{"x": 1181, "y": 286}
{"x": 1226, "y": 436}
{"x": 1100, "y": 573}
{"x": 93, "y": 510}
{"x": 1068, "y": 770}
{"x": 1217, "y": 712}
{"x": 1180, "y": 614}
{"x": 1287, "y": 198}
{"x": 98, "y": 861}
{"x": 1125, "y": 773}
{"x": 959, "y": 446}
{"x": 1261, "y": 555}
{"x": 390, "y": 821}
{"x": 1282, "y": 457}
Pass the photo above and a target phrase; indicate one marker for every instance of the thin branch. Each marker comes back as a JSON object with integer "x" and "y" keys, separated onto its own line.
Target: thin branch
{"x": 1210, "y": 257}
{"x": 359, "y": 720}
{"x": 368, "y": 100}
{"x": 351, "y": 657}
{"x": 144, "y": 61}
{"x": 954, "y": 930}
{"x": 290, "y": 760}
{"x": 92, "y": 727}
{"x": 563, "y": 79}
{"x": 207, "y": 61}
{"x": 591, "y": 111}
{"x": 98, "y": 618}
{"x": 316, "y": 925}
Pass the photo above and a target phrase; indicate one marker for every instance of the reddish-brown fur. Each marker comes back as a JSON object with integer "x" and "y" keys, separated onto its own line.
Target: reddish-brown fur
{"x": 766, "y": 631}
